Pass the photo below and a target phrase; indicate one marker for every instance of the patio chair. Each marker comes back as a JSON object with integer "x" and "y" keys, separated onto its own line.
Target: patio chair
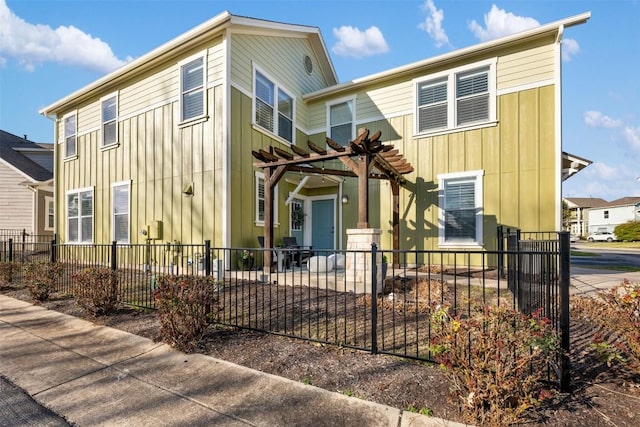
{"x": 286, "y": 256}
{"x": 302, "y": 253}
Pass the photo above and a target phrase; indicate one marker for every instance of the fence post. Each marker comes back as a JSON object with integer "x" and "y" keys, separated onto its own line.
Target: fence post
{"x": 53, "y": 249}
{"x": 565, "y": 281}
{"x": 10, "y": 249}
{"x": 374, "y": 299}
{"x": 207, "y": 257}
{"x": 114, "y": 254}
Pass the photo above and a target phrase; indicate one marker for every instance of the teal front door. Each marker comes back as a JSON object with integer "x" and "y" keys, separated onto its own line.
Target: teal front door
{"x": 323, "y": 224}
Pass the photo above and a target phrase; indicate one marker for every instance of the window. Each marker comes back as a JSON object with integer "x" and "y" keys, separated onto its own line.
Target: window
{"x": 461, "y": 208}
{"x": 80, "y": 216}
{"x": 260, "y": 201}
{"x": 606, "y": 214}
{"x": 192, "y": 88}
{"x": 266, "y": 109}
{"x": 297, "y": 215}
{"x": 120, "y": 220}
{"x": 341, "y": 122}
{"x": 109, "y": 120}
{"x": 459, "y": 98}
{"x": 70, "y": 131}
{"x": 49, "y": 214}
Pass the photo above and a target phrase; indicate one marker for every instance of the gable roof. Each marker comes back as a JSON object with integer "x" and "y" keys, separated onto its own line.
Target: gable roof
{"x": 211, "y": 28}
{"x": 624, "y": 201}
{"x": 11, "y": 147}
{"x": 586, "y": 202}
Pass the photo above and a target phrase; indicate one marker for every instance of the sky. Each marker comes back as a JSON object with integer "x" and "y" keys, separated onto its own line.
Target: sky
{"x": 51, "y": 48}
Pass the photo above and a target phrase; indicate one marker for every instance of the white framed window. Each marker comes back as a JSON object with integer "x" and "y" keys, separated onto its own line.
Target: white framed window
{"x": 192, "y": 88}
{"x": 120, "y": 225}
{"x": 296, "y": 213}
{"x": 109, "y": 108}
{"x": 459, "y": 98}
{"x": 260, "y": 201}
{"x": 340, "y": 117}
{"x": 80, "y": 215}
{"x": 460, "y": 199}
{"x": 70, "y": 132}
{"x": 49, "y": 220}
{"x": 273, "y": 106}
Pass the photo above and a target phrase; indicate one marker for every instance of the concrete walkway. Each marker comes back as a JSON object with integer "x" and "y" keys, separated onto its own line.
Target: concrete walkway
{"x": 590, "y": 281}
{"x": 98, "y": 376}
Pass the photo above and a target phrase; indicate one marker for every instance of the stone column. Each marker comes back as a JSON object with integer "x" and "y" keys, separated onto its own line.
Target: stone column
{"x": 358, "y": 264}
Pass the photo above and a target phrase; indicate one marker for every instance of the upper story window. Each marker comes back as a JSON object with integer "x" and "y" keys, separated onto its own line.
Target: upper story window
{"x": 70, "y": 131}
{"x": 192, "y": 89}
{"x": 341, "y": 121}
{"x": 120, "y": 221}
{"x": 461, "y": 208}
{"x": 606, "y": 214}
{"x": 455, "y": 99}
{"x": 260, "y": 200}
{"x": 80, "y": 216}
{"x": 276, "y": 117}
{"x": 109, "y": 120}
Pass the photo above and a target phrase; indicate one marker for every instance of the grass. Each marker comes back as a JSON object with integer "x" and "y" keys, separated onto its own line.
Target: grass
{"x": 612, "y": 245}
{"x": 582, "y": 253}
{"x": 628, "y": 268}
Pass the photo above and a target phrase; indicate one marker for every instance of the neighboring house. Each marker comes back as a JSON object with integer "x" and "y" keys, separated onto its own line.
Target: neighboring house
{"x": 611, "y": 214}
{"x": 26, "y": 176}
{"x": 578, "y": 222}
{"x": 165, "y": 143}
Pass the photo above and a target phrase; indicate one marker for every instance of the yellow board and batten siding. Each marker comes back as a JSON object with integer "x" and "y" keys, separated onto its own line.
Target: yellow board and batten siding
{"x": 156, "y": 154}
{"x": 517, "y": 155}
{"x": 288, "y": 71}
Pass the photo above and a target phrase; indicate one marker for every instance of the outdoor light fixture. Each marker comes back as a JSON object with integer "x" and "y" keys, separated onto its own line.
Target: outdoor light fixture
{"x": 345, "y": 199}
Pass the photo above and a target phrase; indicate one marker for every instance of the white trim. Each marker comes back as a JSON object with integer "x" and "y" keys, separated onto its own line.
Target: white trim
{"x": 528, "y": 86}
{"x": 242, "y": 90}
{"x": 113, "y": 231}
{"x": 136, "y": 113}
{"x": 47, "y": 200}
{"x": 558, "y": 127}
{"x": 200, "y": 55}
{"x": 277, "y": 87}
{"x": 73, "y": 113}
{"x": 334, "y": 102}
{"x": 93, "y": 215}
{"x": 476, "y": 175}
{"x": 226, "y": 144}
{"x": 260, "y": 223}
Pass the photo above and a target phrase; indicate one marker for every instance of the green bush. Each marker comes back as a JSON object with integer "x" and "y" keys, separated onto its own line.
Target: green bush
{"x": 629, "y": 231}
{"x": 497, "y": 359}
{"x": 41, "y": 278}
{"x": 97, "y": 290}
{"x": 7, "y": 271}
{"x": 186, "y": 305}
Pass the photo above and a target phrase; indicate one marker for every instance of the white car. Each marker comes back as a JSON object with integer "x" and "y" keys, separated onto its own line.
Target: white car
{"x": 602, "y": 236}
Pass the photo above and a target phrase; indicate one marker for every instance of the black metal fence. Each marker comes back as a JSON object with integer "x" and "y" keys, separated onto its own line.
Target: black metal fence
{"x": 347, "y": 298}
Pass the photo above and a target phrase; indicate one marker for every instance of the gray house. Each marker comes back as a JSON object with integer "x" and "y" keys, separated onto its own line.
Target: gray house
{"x": 26, "y": 180}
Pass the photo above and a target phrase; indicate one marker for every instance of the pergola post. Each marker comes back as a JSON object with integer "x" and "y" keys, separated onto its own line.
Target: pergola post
{"x": 363, "y": 191}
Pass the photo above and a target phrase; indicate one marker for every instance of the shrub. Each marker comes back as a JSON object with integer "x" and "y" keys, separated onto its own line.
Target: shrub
{"x": 97, "y": 290}
{"x": 497, "y": 359}
{"x": 629, "y": 231}
{"x": 7, "y": 271}
{"x": 185, "y": 309}
{"x": 41, "y": 278}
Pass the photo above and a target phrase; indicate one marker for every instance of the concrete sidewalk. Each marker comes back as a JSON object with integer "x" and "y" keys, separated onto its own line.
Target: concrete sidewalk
{"x": 590, "y": 281}
{"x": 94, "y": 375}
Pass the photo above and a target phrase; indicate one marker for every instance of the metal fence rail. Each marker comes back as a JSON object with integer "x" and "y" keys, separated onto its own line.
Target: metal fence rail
{"x": 366, "y": 308}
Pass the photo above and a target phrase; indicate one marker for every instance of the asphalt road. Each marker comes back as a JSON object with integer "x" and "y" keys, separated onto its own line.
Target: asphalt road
{"x": 17, "y": 408}
{"x": 613, "y": 257}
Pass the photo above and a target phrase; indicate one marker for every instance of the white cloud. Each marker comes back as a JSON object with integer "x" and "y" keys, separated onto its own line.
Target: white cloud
{"x": 500, "y": 23}
{"x": 34, "y": 44}
{"x": 598, "y": 120}
{"x": 359, "y": 44}
{"x": 570, "y": 48}
{"x": 433, "y": 24}
{"x": 632, "y": 135}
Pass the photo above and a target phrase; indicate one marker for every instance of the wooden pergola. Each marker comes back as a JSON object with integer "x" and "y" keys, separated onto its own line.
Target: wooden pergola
{"x": 365, "y": 158}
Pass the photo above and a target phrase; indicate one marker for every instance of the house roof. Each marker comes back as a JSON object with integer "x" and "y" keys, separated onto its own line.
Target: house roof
{"x": 12, "y": 149}
{"x": 556, "y": 28}
{"x": 214, "y": 26}
{"x": 572, "y": 164}
{"x": 624, "y": 201}
{"x": 586, "y": 202}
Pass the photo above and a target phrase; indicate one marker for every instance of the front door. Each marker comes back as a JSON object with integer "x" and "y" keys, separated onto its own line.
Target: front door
{"x": 323, "y": 224}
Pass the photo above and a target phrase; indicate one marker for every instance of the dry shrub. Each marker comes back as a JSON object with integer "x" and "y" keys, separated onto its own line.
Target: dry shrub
{"x": 408, "y": 295}
{"x": 41, "y": 278}
{"x": 496, "y": 358}
{"x": 97, "y": 290}
{"x": 186, "y": 305}
{"x": 7, "y": 271}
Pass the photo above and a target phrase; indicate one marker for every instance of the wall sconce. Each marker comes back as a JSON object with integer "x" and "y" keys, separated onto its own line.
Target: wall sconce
{"x": 188, "y": 190}
{"x": 345, "y": 199}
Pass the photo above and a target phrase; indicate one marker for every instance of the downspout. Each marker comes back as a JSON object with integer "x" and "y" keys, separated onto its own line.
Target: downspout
{"x": 558, "y": 127}
{"x": 226, "y": 148}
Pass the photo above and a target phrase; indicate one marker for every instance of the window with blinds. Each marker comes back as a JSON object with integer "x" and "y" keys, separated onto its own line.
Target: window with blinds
{"x": 275, "y": 116}
{"x": 70, "y": 136}
{"x": 341, "y": 122}
{"x": 120, "y": 218}
{"x": 460, "y": 203}
{"x": 109, "y": 120}
{"x": 192, "y": 89}
{"x": 80, "y": 216}
{"x": 459, "y": 98}
{"x": 260, "y": 201}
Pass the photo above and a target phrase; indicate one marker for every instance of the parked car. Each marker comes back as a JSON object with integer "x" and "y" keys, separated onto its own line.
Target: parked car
{"x": 574, "y": 238}
{"x": 602, "y": 236}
